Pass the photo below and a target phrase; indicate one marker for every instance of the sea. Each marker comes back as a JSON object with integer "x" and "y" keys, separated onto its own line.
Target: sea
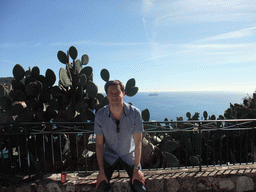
{"x": 171, "y": 105}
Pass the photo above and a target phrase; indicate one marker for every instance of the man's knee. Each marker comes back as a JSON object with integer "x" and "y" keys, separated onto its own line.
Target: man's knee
{"x": 137, "y": 186}
{"x": 103, "y": 187}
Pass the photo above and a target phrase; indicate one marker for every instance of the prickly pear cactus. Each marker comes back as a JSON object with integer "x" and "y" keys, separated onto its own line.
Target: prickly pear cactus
{"x": 36, "y": 98}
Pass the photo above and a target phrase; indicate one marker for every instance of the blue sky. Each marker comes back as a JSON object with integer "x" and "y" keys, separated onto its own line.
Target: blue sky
{"x": 184, "y": 45}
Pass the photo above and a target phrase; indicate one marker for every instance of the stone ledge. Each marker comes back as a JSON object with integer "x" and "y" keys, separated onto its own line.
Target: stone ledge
{"x": 225, "y": 178}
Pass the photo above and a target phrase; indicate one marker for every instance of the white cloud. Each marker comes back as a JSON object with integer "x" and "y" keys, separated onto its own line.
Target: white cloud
{"x": 224, "y": 88}
{"x": 159, "y": 16}
{"x": 186, "y": 11}
{"x": 248, "y": 32}
{"x": 99, "y": 43}
{"x": 217, "y": 4}
{"x": 147, "y": 5}
{"x": 36, "y": 45}
{"x": 11, "y": 45}
{"x": 7, "y": 45}
{"x": 218, "y": 46}
{"x": 212, "y": 54}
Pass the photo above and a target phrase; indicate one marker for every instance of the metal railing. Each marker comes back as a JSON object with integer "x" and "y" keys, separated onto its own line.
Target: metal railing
{"x": 29, "y": 148}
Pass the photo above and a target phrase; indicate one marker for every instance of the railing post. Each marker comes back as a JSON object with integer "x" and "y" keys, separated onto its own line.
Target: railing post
{"x": 200, "y": 144}
{"x": 61, "y": 159}
{"x": 1, "y": 154}
{"x": 36, "y": 158}
{"x": 27, "y": 151}
{"x": 253, "y": 145}
{"x": 246, "y": 146}
{"x": 53, "y": 159}
{"x": 44, "y": 150}
{"x": 227, "y": 134}
{"x": 77, "y": 156}
{"x": 86, "y": 151}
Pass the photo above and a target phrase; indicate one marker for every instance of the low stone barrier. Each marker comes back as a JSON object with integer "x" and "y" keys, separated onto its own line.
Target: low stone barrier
{"x": 225, "y": 178}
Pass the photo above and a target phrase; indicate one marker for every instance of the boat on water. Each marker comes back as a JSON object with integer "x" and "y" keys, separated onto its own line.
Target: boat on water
{"x": 153, "y": 94}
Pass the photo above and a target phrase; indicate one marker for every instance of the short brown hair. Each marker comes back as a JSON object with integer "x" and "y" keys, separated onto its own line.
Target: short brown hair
{"x": 114, "y": 82}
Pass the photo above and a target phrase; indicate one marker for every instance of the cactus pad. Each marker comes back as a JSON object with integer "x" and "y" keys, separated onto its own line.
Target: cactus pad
{"x": 73, "y": 52}
{"x": 6, "y": 118}
{"x": 145, "y": 115}
{"x": 18, "y": 72}
{"x": 87, "y": 71}
{"x": 63, "y": 58}
{"x": 130, "y": 88}
{"x": 170, "y": 146}
{"x": 78, "y": 66}
{"x": 171, "y": 160}
{"x": 28, "y": 72}
{"x": 100, "y": 97}
{"x": 80, "y": 107}
{"x": 5, "y": 103}
{"x": 132, "y": 91}
{"x": 85, "y": 59}
{"x": 194, "y": 160}
{"x": 90, "y": 115}
{"x": 50, "y": 77}
{"x": 104, "y": 75}
{"x": 2, "y": 91}
{"x": 82, "y": 80}
{"x": 33, "y": 89}
{"x": 130, "y": 83}
{"x": 64, "y": 77}
{"x": 188, "y": 114}
{"x": 205, "y": 114}
{"x": 35, "y": 72}
{"x": 91, "y": 89}
{"x": 17, "y": 109}
{"x": 18, "y": 85}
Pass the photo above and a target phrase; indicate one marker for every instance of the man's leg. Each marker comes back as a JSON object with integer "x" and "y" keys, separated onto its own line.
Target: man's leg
{"x": 104, "y": 186}
{"x": 137, "y": 186}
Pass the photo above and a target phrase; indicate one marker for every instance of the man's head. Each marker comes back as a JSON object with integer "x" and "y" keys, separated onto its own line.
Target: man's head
{"x": 115, "y": 83}
{"x": 115, "y": 92}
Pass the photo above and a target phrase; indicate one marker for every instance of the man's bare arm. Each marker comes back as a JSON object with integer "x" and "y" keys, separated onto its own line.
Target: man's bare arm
{"x": 99, "y": 153}
{"x": 137, "y": 174}
{"x": 138, "y": 148}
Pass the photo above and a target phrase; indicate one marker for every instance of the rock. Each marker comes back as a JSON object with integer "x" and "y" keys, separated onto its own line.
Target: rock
{"x": 121, "y": 186}
{"x": 171, "y": 185}
{"x": 84, "y": 188}
{"x": 53, "y": 187}
{"x": 226, "y": 184}
{"x": 244, "y": 183}
{"x": 201, "y": 186}
{"x": 203, "y": 183}
{"x": 154, "y": 185}
{"x": 24, "y": 189}
{"x": 188, "y": 184}
{"x": 70, "y": 187}
{"x": 41, "y": 188}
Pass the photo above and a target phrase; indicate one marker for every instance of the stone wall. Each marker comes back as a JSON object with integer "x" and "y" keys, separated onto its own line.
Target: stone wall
{"x": 225, "y": 178}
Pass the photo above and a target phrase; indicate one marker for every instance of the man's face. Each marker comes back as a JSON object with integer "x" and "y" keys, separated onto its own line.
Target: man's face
{"x": 115, "y": 95}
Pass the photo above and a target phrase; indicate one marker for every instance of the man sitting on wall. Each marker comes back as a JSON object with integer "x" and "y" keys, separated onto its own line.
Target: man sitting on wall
{"x": 118, "y": 128}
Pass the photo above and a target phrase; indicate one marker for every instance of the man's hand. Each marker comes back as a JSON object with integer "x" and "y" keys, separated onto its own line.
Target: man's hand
{"x": 101, "y": 177}
{"x": 137, "y": 174}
